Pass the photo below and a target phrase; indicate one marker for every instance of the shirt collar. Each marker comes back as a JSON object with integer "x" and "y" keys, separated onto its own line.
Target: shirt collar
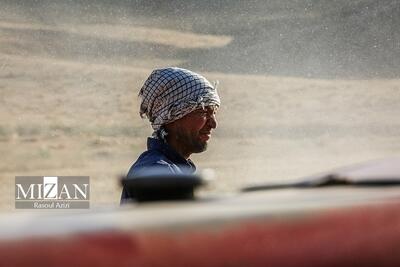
{"x": 170, "y": 153}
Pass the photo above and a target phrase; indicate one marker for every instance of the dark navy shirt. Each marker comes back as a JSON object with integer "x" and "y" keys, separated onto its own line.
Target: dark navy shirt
{"x": 161, "y": 156}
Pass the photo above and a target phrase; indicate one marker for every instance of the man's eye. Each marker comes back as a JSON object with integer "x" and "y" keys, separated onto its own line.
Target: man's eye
{"x": 201, "y": 114}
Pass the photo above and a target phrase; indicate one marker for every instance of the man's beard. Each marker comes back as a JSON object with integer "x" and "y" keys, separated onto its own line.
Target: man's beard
{"x": 191, "y": 143}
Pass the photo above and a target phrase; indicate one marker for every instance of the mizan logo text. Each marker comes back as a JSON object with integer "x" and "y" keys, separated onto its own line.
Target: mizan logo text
{"x": 52, "y": 192}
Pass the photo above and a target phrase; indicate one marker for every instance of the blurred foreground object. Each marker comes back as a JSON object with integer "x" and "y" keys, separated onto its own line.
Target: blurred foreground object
{"x": 156, "y": 185}
{"x": 314, "y": 226}
{"x": 384, "y": 172}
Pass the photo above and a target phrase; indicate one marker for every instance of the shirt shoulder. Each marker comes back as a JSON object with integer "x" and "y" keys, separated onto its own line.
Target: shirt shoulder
{"x": 157, "y": 160}
{"x": 152, "y": 159}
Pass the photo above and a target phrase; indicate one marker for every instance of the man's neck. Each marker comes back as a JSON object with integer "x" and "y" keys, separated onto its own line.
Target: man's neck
{"x": 178, "y": 148}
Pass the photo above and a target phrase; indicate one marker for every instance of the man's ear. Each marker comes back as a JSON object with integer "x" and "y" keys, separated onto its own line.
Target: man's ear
{"x": 170, "y": 127}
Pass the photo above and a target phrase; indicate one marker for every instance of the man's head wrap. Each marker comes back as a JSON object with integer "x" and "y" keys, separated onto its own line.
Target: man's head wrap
{"x": 171, "y": 93}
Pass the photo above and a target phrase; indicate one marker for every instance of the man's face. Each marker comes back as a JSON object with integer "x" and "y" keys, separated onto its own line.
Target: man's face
{"x": 194, "y": 130}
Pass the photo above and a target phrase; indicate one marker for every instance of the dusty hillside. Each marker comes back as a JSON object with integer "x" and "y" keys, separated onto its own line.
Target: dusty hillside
{"x": 307, "y": 38}
{"x": 70, "y": 72}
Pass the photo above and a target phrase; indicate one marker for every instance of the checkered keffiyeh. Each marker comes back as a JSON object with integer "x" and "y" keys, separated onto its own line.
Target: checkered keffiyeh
{"x": 171, "y": 93}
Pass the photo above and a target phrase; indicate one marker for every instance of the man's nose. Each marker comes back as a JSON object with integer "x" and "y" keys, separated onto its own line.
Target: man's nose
{"x": 212, "y": 121}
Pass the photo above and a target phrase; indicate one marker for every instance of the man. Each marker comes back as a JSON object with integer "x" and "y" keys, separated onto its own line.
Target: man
{"x": 181, "y": 106}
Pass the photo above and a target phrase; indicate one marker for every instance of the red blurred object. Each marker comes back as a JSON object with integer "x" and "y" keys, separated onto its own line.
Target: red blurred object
{"x": 366, "y": 236}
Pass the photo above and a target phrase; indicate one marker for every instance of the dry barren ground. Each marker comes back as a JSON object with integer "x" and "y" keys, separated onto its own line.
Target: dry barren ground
{"x": 66, "y": 108}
